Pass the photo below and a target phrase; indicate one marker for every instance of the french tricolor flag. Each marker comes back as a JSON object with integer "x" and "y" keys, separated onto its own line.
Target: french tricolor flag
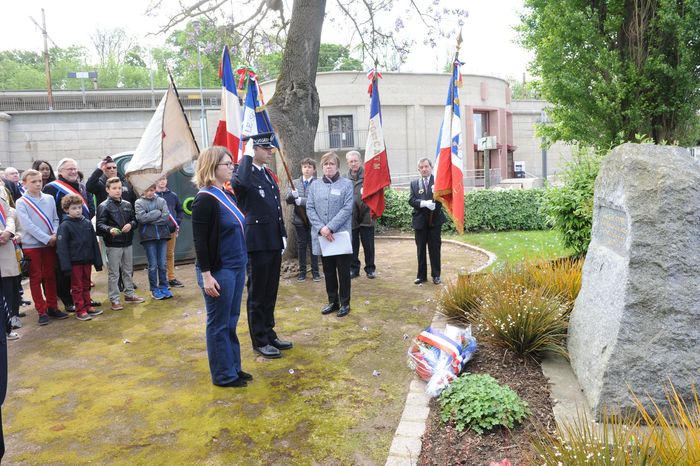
{"x": 449, "y": 177}
{"x": 228, "y": 133}
{"x": 377, "y": 175}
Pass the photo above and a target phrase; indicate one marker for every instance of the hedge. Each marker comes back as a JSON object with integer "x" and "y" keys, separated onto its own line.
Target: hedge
{"x": 495, "y": 210}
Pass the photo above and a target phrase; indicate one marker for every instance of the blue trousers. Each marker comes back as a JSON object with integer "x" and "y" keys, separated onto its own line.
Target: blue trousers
{"x": 156, "y": 251}
{"x": 223, "y": 312}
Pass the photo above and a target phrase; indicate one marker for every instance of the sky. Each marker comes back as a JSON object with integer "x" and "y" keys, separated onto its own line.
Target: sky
{"x": 488, "y": 34}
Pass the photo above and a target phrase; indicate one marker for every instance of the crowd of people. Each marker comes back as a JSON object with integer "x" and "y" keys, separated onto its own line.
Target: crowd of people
{"x": 59, "y": 228}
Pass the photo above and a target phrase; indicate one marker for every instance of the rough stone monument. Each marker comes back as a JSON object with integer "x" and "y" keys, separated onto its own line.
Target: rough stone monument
{"x": 636, "y": 321}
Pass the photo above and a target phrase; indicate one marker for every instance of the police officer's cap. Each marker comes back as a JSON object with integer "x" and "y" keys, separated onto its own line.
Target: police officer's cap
{"x": 262, "y": 139}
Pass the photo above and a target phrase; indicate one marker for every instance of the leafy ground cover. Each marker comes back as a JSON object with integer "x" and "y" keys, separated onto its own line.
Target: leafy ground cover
{"x": 133, "y": 387}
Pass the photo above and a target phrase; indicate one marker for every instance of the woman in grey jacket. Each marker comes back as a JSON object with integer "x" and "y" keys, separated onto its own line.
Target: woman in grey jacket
{"x": 329, "y": 208}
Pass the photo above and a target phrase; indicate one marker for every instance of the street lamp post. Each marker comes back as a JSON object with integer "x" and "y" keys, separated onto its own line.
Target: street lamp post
{"x": 202, "y": 114}
{"x": 544, "y": 120}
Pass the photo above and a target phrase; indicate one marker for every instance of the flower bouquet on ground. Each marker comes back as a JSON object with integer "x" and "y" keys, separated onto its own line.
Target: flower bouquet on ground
{"x": 439, "y": 357}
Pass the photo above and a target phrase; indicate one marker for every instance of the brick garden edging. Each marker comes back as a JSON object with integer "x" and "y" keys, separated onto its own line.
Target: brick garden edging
{"x": 406, "y": 445}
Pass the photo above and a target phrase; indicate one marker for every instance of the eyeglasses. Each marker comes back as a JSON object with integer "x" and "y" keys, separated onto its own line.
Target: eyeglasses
{"x": 228, "y": 164}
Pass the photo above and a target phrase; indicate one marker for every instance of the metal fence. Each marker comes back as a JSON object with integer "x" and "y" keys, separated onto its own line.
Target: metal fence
{"x": 28, "y": 101}
{"x": 472, "y": 179}
{"x": 340, "y": 140}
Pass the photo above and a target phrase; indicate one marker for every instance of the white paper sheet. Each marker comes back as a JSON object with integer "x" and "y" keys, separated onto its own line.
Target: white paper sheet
{"x": 341, "y": 244}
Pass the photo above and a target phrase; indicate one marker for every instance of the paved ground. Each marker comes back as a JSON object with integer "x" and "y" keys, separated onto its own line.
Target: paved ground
{"x": 133, "y": 387}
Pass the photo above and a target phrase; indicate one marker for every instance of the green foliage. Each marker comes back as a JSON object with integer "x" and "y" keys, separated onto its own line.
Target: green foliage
{"x": 484, "y": 210}
{"x": 614, "y": 68}
{"x": 646, "y": 437}
{"x": 570, "y": 206}
{"x": 334, "y": 57}
{"x": 524, "y": 308}
{"x": 479, "y": 403}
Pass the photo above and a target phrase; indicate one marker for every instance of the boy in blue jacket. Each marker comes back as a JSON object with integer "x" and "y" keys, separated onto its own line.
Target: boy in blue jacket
{"x": 77, "y": 250}
{"x": 176, "y": 214}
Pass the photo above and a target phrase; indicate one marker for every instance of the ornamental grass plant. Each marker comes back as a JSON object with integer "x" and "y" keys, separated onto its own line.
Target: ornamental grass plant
{"x": 647, "y": 437}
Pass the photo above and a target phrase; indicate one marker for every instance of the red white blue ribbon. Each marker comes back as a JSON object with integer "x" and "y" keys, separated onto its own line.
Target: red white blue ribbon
{"x": 65, "y": 188}
{"x": 225, "y": 201}
{"x": 35, "y": 207}
{"x": 3, "y": 216}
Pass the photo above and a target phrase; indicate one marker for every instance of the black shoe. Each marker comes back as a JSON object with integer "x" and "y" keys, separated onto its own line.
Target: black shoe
{"x": 281, "y": 344}
{"x": 94, "y": 303}
{"x": 344, "y": 310}
{"x": 25, "y": 303}
{"x": 268, "y": 351}
{"x": 437, "y": 280}
{"x": 317, "y": 277}
{"x": 239, "y": 382}
{"x": 69, "y": 308}
{"x": 418, "y": 281}
{"x": 332, "y": 307}
{"x": 354, "y": 274}
{"x": 56, "y": 314}
{"x": 175, "y": 283}
{"x": 301, "y": 277}
{"x": 371, "y": 275}
{"x": 245, "y": 376}
{"x": 22, "y": 314}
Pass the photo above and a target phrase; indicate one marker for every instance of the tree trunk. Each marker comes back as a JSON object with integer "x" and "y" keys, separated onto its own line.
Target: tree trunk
{"x": 294, "y": 108}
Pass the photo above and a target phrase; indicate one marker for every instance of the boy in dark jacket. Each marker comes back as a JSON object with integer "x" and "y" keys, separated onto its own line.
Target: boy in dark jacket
{"x": 153, "y": 216}
{"x": 77, "y": 249}
{"x": 116, "y": 222}
{"x": 176, "y": 214}
{"x": 297, "y": 196}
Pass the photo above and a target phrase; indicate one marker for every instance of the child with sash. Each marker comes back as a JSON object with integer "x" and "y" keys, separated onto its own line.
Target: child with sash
{"x": 39, "y": 224}
{"x": 78, "y": 251}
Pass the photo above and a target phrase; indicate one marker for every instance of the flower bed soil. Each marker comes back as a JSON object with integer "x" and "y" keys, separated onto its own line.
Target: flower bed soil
{"x": 444, "y": 445}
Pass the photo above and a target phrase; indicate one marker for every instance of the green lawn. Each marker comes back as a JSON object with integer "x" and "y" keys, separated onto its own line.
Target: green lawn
{"x": 514, "y": 246}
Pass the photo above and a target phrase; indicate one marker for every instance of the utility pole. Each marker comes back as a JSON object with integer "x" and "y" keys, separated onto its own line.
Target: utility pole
{"x": 47, "y": 66}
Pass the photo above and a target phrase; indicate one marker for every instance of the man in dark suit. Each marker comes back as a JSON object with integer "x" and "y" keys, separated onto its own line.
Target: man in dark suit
{"x": 4, "y": 328}
{"x": 259, "y": 197}
{"x": 427, "y": 221}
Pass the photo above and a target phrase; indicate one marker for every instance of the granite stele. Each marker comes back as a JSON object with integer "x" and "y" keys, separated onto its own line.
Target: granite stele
{"x": 636, "y": 322}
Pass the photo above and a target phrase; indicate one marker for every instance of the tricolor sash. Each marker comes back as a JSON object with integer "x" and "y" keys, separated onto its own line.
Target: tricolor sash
{"x": 65, "y": 188}
{"x": 3, "y": 216}
{"x": 447, "y": 345}
{"x": 35, "y": 207}
{"x": 172, "y": 219}
{"x": 225, "y": 201}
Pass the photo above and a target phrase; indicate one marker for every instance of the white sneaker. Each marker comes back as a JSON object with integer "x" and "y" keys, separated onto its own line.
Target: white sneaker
{"x": 13, "y": 336}
{"x": 15, "y": 322}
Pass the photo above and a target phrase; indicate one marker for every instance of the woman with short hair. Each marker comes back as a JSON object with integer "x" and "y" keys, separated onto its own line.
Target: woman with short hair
{"x": 222, "y": 256}
{"x": 329, "y": 208}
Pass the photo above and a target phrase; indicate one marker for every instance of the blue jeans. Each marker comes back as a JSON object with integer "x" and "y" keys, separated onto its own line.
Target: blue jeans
{"x": 223, "y": 348}
{"x": 156, "y": 252}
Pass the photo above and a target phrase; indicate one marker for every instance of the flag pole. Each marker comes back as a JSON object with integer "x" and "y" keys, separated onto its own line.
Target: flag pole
{"x": 177, "y": 94}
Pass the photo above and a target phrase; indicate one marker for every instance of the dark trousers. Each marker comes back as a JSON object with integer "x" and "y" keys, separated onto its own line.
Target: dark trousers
{"x": 429, "y": 237}
{"x": 304, "y": 243}
{"x": 263, "y": 283}
{"x": 63, "y": 287}
{"x": 337, "y": 272}
{"x": 3, "y": 361}
{"x": 80, "y": 287}
{"x": 10, "y": 291}
{"x": 366, "y": 236}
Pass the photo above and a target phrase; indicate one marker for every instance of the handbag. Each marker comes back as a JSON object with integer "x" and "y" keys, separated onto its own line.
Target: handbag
{"x": 22, "y": 260}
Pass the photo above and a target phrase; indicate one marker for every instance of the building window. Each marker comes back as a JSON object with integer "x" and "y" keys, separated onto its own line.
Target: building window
{"x": 481, "y": 125}
{"x": 340, "y": 131}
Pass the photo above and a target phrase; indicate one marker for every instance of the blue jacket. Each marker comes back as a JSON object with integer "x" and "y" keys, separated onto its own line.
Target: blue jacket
{"x": 76, "y": 243}
{"x": 174, "y": 204}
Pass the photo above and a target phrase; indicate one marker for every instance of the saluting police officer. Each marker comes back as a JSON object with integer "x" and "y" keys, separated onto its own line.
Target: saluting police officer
{"x": 259, "y": 198}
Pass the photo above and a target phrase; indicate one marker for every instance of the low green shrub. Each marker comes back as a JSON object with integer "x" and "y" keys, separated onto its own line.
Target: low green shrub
{"x": 526, "y": 321}
{"x": 479, "y": 403}
{"x": 461, "y": 299}
{"x": 494, "y": 210}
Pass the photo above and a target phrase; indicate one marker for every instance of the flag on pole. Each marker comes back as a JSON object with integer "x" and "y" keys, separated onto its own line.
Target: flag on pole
{"x": 166, "y": 144}
{"x": 255, "y": 117}
{"x": 449, "y": 182}
{"x": 228, "y": 132}
{"x": 377, "y": 175}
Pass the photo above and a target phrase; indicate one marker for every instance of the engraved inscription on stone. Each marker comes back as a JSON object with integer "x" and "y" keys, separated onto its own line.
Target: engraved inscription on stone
{"x": 612, "y": 229}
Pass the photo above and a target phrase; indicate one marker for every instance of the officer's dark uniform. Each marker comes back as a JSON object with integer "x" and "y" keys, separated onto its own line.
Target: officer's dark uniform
{"x": 427, "y": 225}
{"x": 259, "y": 198}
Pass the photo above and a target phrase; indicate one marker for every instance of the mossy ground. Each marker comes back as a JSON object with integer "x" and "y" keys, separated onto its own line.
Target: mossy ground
{"x": 133, "y": 386}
